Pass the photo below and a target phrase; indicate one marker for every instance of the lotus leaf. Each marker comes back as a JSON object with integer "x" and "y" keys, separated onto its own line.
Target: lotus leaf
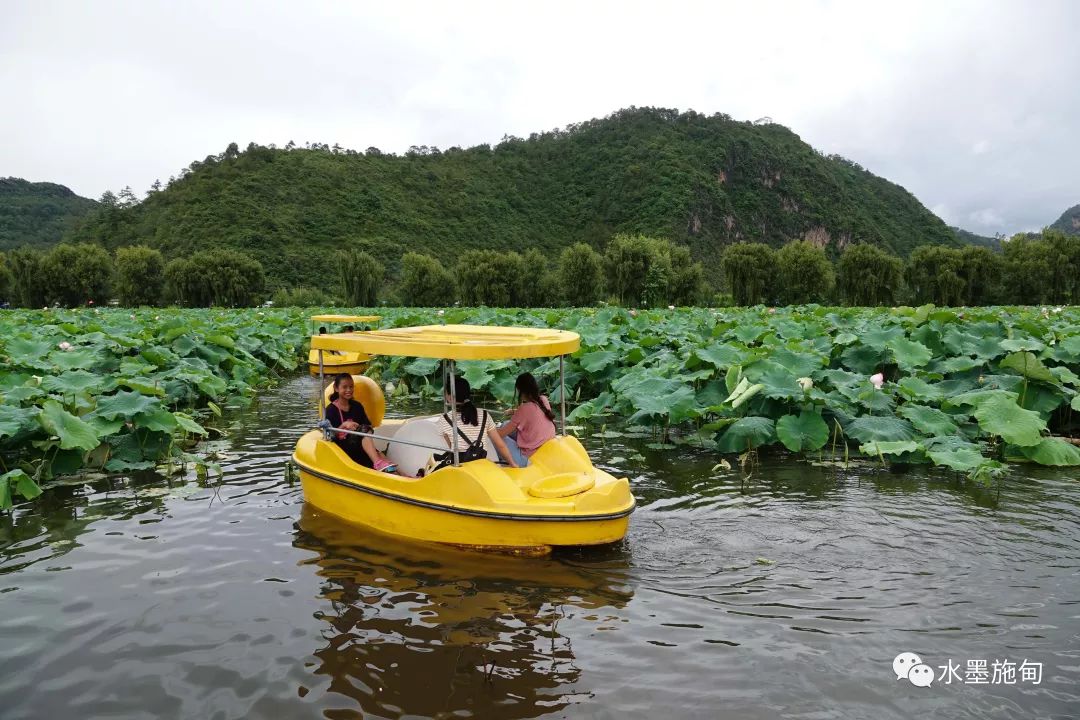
{"x": 746, "y": 433}
{"x": 805, "y": 432}
{"x": 1052, "y": 451}
{"x": 1001, "y": 416}
{"x": 928, "y": 420}
{"x": 879, "y": 427}
{"x": 909, "y": 354}
{"x": 72, "y": 431}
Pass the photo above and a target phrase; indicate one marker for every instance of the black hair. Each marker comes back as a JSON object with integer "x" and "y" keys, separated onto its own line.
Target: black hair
{"x": 347, "y": 328}
{"x": 337, "y": 381}
{"x": 322, "y": 330}
{"x": 463, "y": 395}
{"x": 528, "y": 390}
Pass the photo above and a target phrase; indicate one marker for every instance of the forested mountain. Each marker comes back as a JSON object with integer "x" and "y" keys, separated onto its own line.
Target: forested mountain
{"x": 1069, "y": 222}
{"x": 705, "y": 181}
{"x": 969, "y": 238}
{"x": 37, "y": 214}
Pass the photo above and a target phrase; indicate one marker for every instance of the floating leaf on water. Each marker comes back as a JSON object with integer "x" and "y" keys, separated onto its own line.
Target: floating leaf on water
{"x": 1053, "y": 451}
{"x": 764, "y": 561}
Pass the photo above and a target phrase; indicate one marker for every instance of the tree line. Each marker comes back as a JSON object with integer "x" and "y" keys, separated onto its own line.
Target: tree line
{"x": 632, "y": 271}
{"x": 1030, "y": 270}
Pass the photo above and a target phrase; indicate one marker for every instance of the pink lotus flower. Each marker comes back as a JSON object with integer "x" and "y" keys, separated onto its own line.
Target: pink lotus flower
{"x": 877, "y": 380}
{"x": 65, "y": 346}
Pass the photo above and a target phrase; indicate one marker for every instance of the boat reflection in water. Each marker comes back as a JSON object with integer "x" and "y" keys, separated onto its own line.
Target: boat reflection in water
{"x": 429, "y": 630}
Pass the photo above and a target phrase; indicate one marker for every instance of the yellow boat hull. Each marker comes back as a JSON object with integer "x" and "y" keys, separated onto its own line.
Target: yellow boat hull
{"x": 479, "y": 505}
{"x": 354, "y": 363}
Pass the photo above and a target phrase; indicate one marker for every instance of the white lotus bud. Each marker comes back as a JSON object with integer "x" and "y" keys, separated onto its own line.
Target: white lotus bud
{"x": 805, "y": 383}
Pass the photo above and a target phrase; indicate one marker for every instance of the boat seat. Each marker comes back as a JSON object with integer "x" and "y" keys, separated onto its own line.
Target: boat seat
{"x": 366, "y": 392}
{"x": 409, "y": 459}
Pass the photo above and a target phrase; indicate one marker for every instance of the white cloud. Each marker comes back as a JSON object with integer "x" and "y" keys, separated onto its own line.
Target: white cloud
{"x": 105, "y": 94}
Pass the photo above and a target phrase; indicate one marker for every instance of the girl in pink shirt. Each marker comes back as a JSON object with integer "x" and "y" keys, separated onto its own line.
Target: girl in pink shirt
{"x": 532, "y": 423}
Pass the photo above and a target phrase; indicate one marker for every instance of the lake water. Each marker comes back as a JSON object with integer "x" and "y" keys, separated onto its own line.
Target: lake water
{"x": 785, "y": 595}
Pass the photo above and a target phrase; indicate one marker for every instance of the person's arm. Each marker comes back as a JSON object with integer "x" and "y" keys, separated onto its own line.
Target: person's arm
{"x": 500, "y": 446}
{"x": 509, "y": 426}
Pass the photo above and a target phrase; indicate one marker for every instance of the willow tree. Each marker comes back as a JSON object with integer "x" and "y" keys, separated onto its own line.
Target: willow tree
{"x": 7, "y": 281}
{"x": 77, "y": 274}
{"x": 489, "y": 277}
{"x": 981, "y": 270}
{"x": 27, "y": 283}
{"x": 935, "y": 275}
{"x": 425, "y": 282}
{"x": 140, "y": 275}
{"x": 869, "y": 276}
{"x": 581, "y": 275}
{"x": 803, "y": 274}
{"x": 361, "y": 276}
{"x": 750, "y": 269}
{"x": 628, "y": 258}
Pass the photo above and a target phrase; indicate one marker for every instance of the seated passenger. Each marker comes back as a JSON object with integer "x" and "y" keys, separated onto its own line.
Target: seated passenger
{"x": 532, "y": 424}
{"x": 347, "y": 414}
{"x": 471, "y": 425}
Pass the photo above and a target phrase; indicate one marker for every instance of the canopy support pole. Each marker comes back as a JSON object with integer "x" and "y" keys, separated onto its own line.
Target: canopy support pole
{"x": 453, "y": 412}
{"x": 562, "y": 392}
{"x": 322, "y": 385}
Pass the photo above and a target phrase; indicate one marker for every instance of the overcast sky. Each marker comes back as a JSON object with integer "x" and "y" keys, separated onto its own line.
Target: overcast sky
{"x": 972, "y": 106}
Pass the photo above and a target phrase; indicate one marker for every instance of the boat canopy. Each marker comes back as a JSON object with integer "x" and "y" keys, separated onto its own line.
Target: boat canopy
{"x": 454, "y": 342}
{"x": 346, "y": 318}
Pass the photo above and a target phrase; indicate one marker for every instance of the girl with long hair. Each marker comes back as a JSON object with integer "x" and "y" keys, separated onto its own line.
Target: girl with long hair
{"x": 472, "y": 422}
{"x": 345, "y": 413}
{"x": 533, "y": 422}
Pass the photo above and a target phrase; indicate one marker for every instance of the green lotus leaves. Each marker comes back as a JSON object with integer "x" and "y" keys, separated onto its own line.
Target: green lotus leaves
{"x": 124, "y": 404}
{"x": 746, "y": 434}
{"x": 959, "y": 459}
{"x": 909, "y": 354}
{"x": 1029, "y": 366}
{"x": 885, "y": 447}
{"x": 880, "y": 428}
{"x": 805, "y": 432}
{"x": 720, "y": 355}
{"x": 16, "y": 420}
{"x": 927, "y": 420}
{"x": 1053, "y": 451}
{"x": 1001, "y": 416}
{"x": 72, "y": 431}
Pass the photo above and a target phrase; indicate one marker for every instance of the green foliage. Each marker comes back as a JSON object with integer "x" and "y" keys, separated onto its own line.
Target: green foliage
{"x": 868, "y": 276}
{"x": 700, "y": 181}
{"x": 492, "y": 278}
{"x": 1069, "y": 222}
{"x": 301, "y": 297}
{"x": 7, "y": 280}
{"x": 750, "y": 269}
{"x": 803, "y": 274}
{"x": 581, "y": 275}
{"x": 981, "y": 272}
{"x": 935, "y": 275}
{"x": 75, "y": 275}
{"x": 27, "y": 283}
{"x": 1043, "y": 269}
{"x": 101, "y": 388}
{"x": 215, "y": 278}
{"x": 361, "y": 277}
{"x": 425, "y": 282}
{"x": 140, "y": 276}
{"x": 37, "y": 215}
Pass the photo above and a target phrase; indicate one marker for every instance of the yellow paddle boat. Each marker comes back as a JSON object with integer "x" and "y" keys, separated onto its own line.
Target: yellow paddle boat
{"x": 559, "y": 499}
{"x": 339, "y": 361}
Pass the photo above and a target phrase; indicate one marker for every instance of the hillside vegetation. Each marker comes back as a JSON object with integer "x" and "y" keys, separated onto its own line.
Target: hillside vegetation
{"x": 700, "y": 181}
{"x": 1069, "y": 222}
{"x": 37, "y": 214}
